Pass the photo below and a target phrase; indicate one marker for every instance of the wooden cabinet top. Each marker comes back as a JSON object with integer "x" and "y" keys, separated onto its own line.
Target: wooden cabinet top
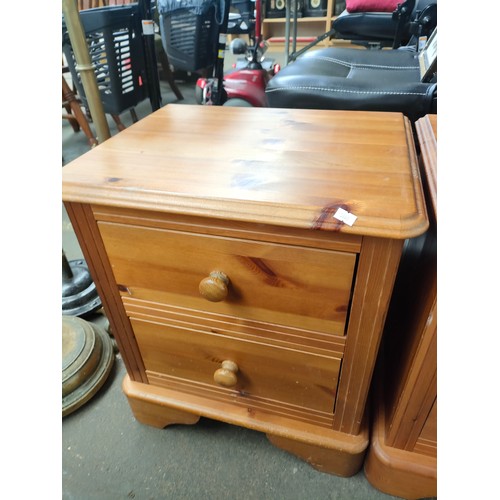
{"x": 287, "y": 167}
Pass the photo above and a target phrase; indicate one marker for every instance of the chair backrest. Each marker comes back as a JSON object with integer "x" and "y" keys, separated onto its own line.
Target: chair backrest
{"x": 386, "y": 28}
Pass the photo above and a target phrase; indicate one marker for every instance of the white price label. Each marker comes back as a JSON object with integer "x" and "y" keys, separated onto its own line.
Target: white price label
{"x": 148, "y": 27}
{"x": 345, "y": 217}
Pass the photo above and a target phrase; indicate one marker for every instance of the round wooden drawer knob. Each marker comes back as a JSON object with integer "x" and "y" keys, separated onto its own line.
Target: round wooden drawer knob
{"x": 214, "y": 287}
{"x": 226, "y": 375}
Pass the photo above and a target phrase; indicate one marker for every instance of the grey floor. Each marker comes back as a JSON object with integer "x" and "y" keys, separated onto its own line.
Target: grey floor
{"x": 107, "y": 454}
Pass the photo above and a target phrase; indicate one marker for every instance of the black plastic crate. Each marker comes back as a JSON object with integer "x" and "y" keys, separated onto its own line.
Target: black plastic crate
{"x": 114, "y": 39}
{"x": 189, "y": 30}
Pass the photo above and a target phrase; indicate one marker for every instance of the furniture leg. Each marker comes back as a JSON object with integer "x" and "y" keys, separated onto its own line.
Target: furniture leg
{"x": 398, "y": 472}
{"x": 332, "y": 461}
{"x": 118, "y": 122}
{"x": 77, "y": 115}
{"x": 73, "y": 121}
{"x": 156, "y": 415}
{"x": 162, "y": 57}
{"x": 70, "y": 117}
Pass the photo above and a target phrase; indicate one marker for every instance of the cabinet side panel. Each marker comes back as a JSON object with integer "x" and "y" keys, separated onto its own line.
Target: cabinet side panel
{"x": 378, "y": 264}
{"x": 97, "y": 261}
{"x": 427, "y": 441}
{"x": 410, "y": 342}
{"x": 419, "y": 391}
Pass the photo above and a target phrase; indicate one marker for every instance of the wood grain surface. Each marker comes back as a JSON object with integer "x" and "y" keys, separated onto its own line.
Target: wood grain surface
{"x": 427, "y": 130}
{"x": 265, "y": 371}
{"x": 193, "y": 192}
{"x": 402, "y": 459}
{"x": 287, "y": 167}
{"x": 284, "y": 284}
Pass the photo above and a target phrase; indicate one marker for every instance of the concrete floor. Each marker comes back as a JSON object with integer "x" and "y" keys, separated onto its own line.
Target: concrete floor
{"x": 107, "y": 454}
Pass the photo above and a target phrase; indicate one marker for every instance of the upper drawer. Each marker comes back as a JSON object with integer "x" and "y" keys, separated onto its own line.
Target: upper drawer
{"x": 289, "y": 285}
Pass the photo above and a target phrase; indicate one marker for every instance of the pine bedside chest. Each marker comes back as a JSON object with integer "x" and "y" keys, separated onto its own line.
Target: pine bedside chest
{"x": 402, "y": 457}
{"x": 245, "y": 258}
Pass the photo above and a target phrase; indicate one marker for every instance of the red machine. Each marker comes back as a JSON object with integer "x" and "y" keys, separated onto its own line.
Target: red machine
{"x": 246, "y": 84}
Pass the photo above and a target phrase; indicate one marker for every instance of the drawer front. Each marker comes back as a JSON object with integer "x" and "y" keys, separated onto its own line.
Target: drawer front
{"x": 282, "y": 284}
{"x": 269, "y": 378}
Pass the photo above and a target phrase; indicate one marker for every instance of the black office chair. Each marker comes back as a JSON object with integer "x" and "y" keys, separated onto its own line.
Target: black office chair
{"x": 411, "y": 18}
{"x": 353, "y": 79}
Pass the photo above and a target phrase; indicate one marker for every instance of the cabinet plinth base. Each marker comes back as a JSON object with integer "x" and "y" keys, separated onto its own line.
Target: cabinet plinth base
{"x": 325, "y": 449}
{"x": 159, "y": 416}
{"x": 401, "y": 473}
{"x": 332, "y": 461}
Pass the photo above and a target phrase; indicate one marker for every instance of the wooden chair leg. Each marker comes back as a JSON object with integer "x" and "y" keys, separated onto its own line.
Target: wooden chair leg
{"x": 67, "y": 98}
{"x": 76, "y": 118}
{"x": 72, "y": 120}
{"x": 69, "y": 116}
{"x": 119, "y": 124}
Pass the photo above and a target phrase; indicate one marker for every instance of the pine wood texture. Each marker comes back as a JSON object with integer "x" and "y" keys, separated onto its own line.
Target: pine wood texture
{"x": 265, "y": 372}
{"x": 90, "y": 241}
{"x": 378, "y": 264}
{"x": 402, "y": 456}
{"x": 398, "y": 472}
{"x": 327, "y": 447}
{"x": 168, "y": 266}
{"x": 286, "y": 167}
{"x": 289, "y": 344}
{"x": 427, "y": 138}
{"x": 332, "y": 460}
{"x": 237, "y": 229}
{"x": 154, "y": 413}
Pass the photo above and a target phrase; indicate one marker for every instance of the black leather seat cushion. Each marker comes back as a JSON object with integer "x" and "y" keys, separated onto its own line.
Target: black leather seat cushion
{"x": 351, "y": 79}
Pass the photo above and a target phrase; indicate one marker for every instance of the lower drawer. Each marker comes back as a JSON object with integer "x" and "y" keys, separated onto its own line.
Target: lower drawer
{"x": 272, "y": 378}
